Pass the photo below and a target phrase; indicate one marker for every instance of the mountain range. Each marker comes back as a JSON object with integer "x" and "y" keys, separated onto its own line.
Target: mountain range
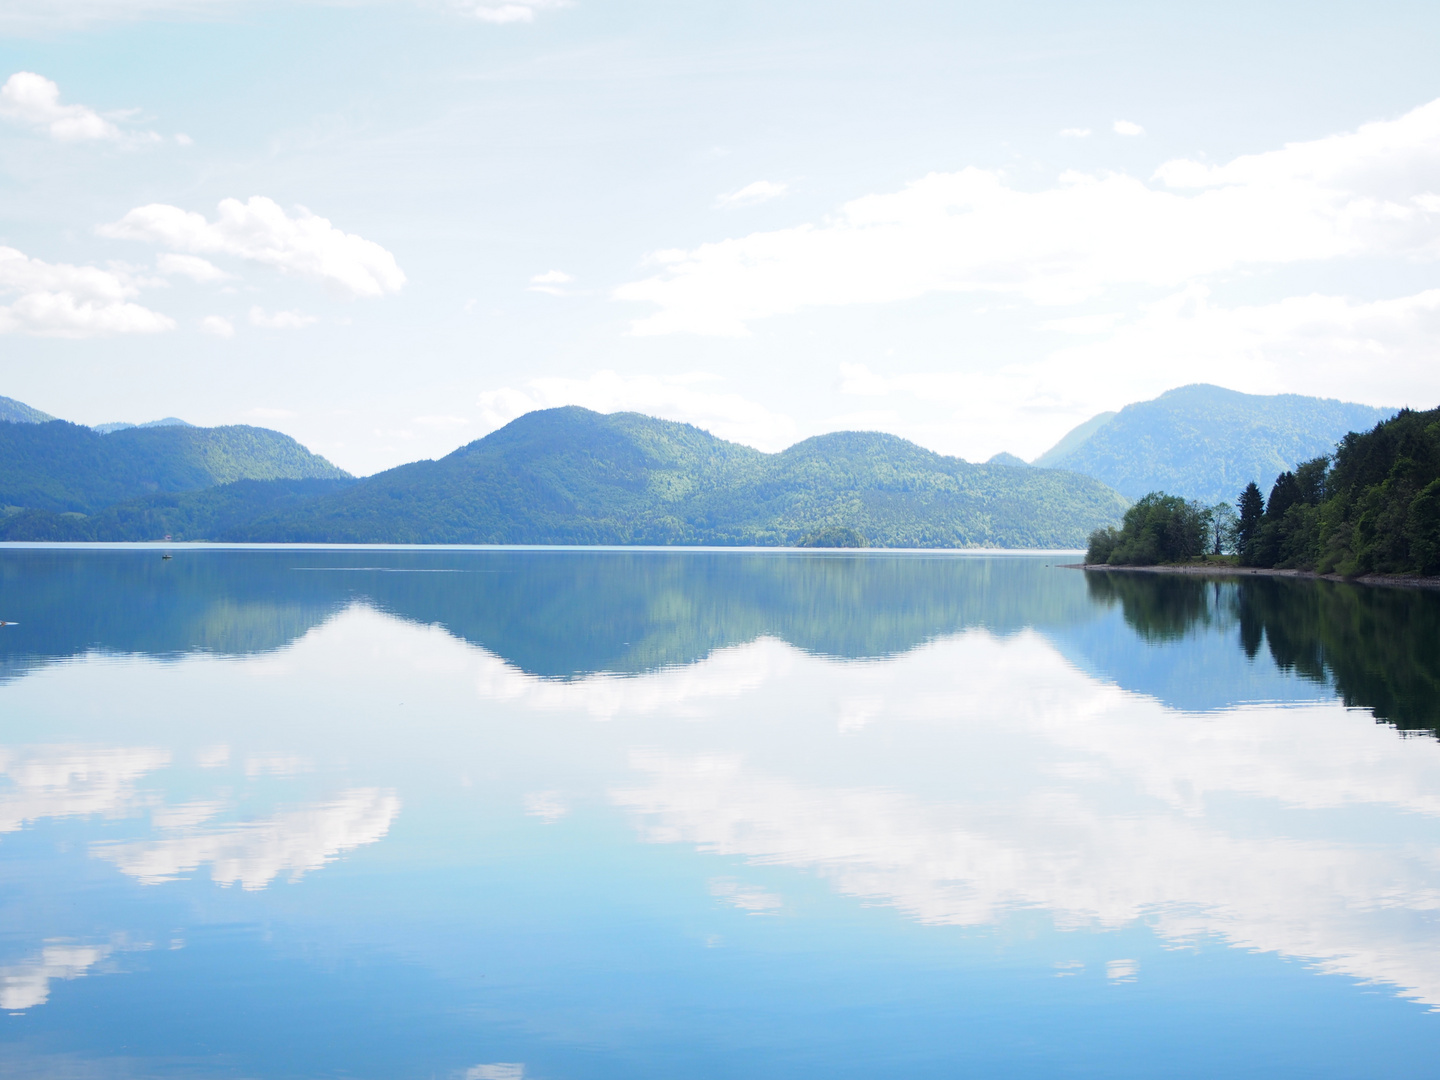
{"x": 572, "y": 476}
{"x": 1205, "y": 442}
{"x": 557, "y": 476}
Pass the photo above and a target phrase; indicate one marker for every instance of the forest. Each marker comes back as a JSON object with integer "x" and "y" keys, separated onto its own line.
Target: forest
{"x": 1371, "y": 507}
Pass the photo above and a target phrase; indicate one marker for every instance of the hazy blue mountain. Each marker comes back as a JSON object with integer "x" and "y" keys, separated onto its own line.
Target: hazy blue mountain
{"x": 1205, "y": 442}
{"x": 1003, "y": 458}
{"x": 572, "y": 476}
{"x": 123, "y": 425}
{"x": 66, "y": 468}
{"x": 1072, "y": 441}
{"x": 17, "y": 412}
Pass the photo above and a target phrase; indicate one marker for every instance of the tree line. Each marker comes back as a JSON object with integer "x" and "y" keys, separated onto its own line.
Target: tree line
{"x": 1373, "y": 506}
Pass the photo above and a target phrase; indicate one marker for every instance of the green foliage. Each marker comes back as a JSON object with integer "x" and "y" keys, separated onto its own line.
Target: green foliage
{"x": 181, "y": 516}
{"x": 1251, "y": 507}
{"x": 572, "y": 476}
{"x": 834, "y": 536}
{"x": 1373, "y": 508}
{"x": 1203, "y": 442}
{"x": 61, "y": 467}
{"x": 1160, "y": 528}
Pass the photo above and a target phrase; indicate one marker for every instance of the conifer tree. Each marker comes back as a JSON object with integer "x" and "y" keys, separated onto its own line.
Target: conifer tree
{"x": 1251, "y": 505}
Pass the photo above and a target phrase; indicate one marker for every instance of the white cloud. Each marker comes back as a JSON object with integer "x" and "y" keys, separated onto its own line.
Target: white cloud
{"x": 191, "y": 266}
{"x": 60, "y": 300}
{"x": 727, "y": 415}
{"x": 550, "y": 282}
{"x": 27, "y": 984}
{"x": 1075, "y": 133}
{"x": 1127, "y": 127}
{"x": 33, "y": 100}
{"x": 440, "y": 422}
{"x": 261, "y": 231}
{"x": 217, "y": 325}
{"x": 280, "y": 320}
{"x": 1369, "y": 193}
{"x": 506, "y": 11}
{"x": 758, "y": 192}
{"x": 253, "y": 853}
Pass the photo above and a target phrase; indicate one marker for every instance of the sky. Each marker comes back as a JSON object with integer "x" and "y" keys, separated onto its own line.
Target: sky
{"x": 388, "y": 228}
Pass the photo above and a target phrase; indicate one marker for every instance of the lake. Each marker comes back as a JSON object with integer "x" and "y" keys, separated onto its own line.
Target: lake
{"x": 542, "y": 815}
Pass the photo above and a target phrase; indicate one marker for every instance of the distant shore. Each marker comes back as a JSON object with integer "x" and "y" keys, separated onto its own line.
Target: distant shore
{"x": 1403, "y": 581}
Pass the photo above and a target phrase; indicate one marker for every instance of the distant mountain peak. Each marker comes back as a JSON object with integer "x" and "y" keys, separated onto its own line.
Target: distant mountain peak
{"x": 1206, "y": 442}
{"x": 1002, "y": 458}
{"x": 17, "y": 412}
{"x": 121, "y": 425}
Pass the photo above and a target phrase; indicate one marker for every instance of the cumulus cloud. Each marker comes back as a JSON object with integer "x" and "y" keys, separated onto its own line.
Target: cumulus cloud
{"x": 1127, "y": 127}
{"x": 261, "y": 231}
{"x": 1371, "y": 193}
{"x": 280, "y": 320}
{"x": 191, "y": 266}
{"x": 61, "y": 300}
{"x": 758, "y": 192}
{"x": 34, "y": 101}
{"x": 683, "y": 398}
{"x": 217, "y": 325}
{"x": 254, "y": 853}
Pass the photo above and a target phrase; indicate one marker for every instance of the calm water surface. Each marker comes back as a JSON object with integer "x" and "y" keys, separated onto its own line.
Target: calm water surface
{"x": 493, "y": 815}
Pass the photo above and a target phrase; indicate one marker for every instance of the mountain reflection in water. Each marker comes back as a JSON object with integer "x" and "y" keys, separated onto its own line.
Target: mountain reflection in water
{"x": 629, "y": 814}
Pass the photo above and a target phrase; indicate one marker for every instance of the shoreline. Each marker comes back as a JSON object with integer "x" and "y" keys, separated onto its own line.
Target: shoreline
{"x": 1400, "y": 581}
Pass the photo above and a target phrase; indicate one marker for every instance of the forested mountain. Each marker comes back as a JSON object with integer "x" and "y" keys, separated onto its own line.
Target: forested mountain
{"x": 66, "y": 468}
{"x": 1204, "y": 442}
{"x": 17, "y": 412}
{"x": 572, "y": 476}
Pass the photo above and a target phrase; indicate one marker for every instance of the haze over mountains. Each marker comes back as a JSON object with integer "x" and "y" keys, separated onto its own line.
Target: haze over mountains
{"x": 572, "y": 476}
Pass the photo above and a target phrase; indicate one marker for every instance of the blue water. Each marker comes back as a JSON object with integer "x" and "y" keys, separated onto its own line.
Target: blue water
{"x": 496, "y": 815}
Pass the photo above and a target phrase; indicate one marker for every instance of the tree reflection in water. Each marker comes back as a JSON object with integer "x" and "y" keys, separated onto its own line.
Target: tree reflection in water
{"x": 1377, "y": 647}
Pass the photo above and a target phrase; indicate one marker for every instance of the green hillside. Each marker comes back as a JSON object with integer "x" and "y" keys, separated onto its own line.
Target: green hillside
{"x": 17, "y": 412}
{"x": 208, "y": 514}
{"x": 572, "y": 476}
{"x": 1204, "y": 442}
{"x": 61, "y": 467}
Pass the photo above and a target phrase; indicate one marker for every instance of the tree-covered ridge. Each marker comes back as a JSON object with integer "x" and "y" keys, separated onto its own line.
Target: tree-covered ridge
{"x": 1372, "y": 508}
{"x": 61, "y": 467}
{"x": 1204, "y": 442}
{"x": 17, "y": 412}
{"x": 572, "y": 476}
